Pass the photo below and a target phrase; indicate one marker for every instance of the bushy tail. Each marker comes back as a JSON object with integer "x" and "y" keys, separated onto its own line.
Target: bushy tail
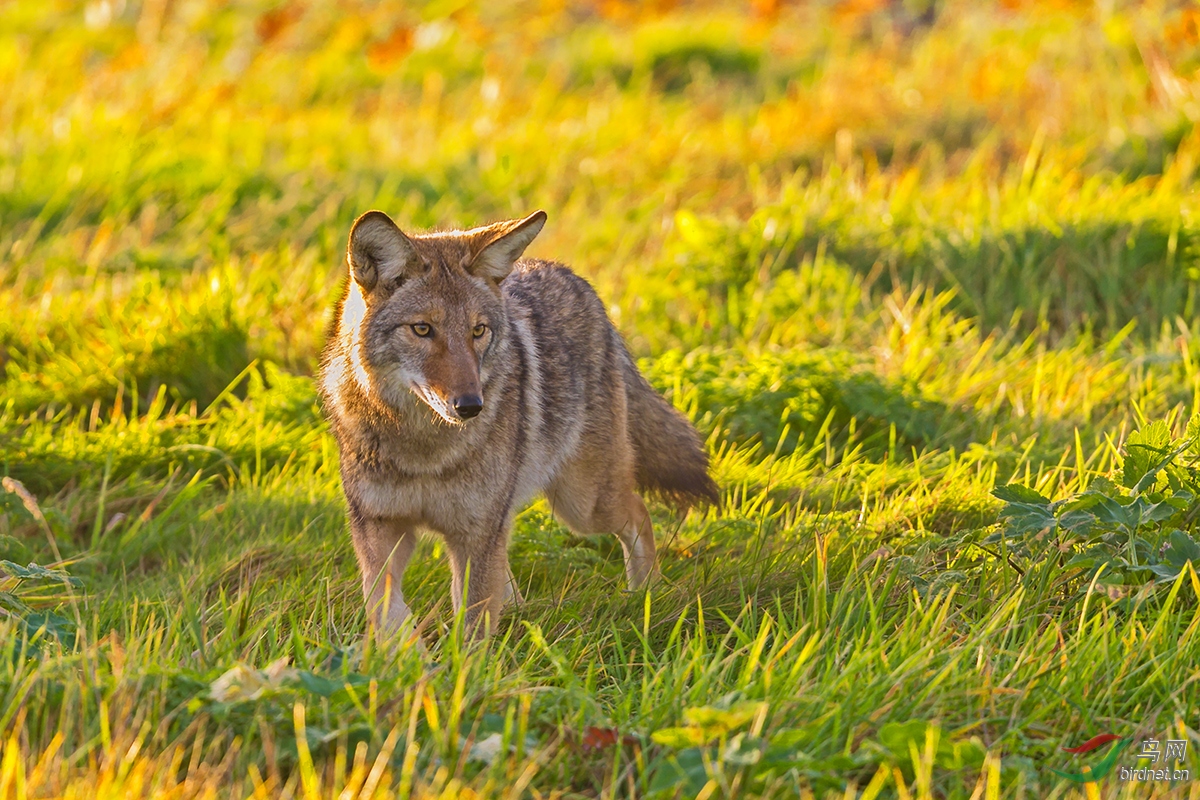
{"x": 671, "y": 462}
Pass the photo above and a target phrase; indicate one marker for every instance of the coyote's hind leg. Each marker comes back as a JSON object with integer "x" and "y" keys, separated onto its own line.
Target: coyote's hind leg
{"x": 590, "y": 506}
{"x": 637, "y": 540}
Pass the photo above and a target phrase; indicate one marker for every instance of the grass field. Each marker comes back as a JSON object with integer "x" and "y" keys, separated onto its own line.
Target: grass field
{"x": 888, "y": 256}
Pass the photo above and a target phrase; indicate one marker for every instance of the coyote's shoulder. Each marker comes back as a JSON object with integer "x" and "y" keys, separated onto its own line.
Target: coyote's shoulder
{"x": 460, "y": 381}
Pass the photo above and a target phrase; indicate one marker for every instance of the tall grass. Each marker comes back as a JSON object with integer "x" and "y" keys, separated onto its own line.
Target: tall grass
{"x": 886, "y": 256}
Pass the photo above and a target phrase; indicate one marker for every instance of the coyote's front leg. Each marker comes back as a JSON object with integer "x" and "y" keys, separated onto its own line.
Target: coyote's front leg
{"x": 481, "y": 565}
{"x": 383, "y": 547}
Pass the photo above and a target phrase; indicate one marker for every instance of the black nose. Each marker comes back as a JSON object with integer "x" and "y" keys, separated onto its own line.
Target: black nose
{"x": 469, "y": 405}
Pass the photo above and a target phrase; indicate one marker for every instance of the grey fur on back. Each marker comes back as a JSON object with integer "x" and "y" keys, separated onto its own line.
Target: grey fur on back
{"x": 669, "y": 456}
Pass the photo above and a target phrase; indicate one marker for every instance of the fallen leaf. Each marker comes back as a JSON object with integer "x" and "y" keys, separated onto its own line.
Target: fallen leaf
{"x": 599, "y": 738}
{"x": 486, "y": 749}
{"x": 241, "y": 683}
{"x": 236, "y": 684}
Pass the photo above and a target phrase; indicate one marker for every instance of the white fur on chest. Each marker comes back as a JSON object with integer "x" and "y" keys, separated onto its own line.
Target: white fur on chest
{"x": 459, "y": 502}
{"x": 432, "y": 502}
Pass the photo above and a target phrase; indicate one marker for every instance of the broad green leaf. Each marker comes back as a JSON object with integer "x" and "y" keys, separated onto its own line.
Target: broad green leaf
{"x": 1016, "y": 493}
{"x": 1081, "y": 522}
{"x": 1182, "y": 549}
{"x": 743, "y": 750}
{"x": 1157, "y": 512}
{"x": 13, "y": 603}
{"x": 1026, "y": 518}
{"x": 960, "y": 754}
{"x": 1192, "y": 436}
{"x": 1082, "y": 561}
{"x": 839, "y": 764}
{"x": 1168, "y": 572}
{"x": 1144, "y": 451}
{"x": 322, "y": 687}
{"x": 51, "y": 624}
{"x": 683, "y": 770}
{"x": 679, "y": 737}
{"x": 38, "y": 572}
{"x": 1080, "y": 502}
{"x": 791, "y": 738}
{"x": 895, "y": 736}
{"x": 1180, "y": 501}
{"x": 722, "y": 720}
{"x": 1110, "y": 511}
{"x": 1150, "y": 480}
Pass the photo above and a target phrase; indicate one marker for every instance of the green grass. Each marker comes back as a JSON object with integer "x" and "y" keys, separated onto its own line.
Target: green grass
{"x": 885, "y": 265}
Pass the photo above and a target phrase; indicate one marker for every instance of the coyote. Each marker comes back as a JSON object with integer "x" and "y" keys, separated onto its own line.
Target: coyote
{"x": 461, "y": 380}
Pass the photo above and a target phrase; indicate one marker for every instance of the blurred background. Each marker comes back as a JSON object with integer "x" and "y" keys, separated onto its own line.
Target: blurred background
{"x": 177, "y": 177}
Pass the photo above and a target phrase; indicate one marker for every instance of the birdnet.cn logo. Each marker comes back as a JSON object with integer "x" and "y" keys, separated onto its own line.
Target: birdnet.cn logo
{"x": 1156, "y": 761}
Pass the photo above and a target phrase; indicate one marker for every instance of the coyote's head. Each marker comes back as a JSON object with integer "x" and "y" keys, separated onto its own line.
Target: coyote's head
{"x": 423, "y": 313}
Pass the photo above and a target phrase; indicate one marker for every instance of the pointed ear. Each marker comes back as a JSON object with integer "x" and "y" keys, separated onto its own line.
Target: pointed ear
{"x": 502, "y": 244}
{"x": 378, "y": 252}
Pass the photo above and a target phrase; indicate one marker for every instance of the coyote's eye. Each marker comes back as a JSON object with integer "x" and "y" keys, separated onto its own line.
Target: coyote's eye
{"x": 479, "y": 330}
{"x": 422, "y": 329}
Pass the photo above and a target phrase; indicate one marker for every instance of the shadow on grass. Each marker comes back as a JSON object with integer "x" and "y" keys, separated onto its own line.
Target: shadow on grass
{"x": 1104, "y": 274}
{"x": 1114, "y": 266}
{"x": 797, "y": 399}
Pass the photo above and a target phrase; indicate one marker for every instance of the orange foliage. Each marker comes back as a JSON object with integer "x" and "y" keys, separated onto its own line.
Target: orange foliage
{"x": 852, "y": 10}
{"x": 391, "y": 50}
{"x": 274, "y": 22}
{"x": 1185, "y": 31}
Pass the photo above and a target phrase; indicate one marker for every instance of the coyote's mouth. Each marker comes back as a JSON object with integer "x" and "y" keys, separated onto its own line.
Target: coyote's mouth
{"x": 438, "y": 404}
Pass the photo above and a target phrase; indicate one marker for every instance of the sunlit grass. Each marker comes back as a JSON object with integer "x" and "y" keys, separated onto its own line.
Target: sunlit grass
{"x": 886, "y": 261}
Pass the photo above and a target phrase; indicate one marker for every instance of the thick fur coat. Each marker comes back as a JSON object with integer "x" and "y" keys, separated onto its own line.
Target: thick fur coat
{"x": 461, "y": 381}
